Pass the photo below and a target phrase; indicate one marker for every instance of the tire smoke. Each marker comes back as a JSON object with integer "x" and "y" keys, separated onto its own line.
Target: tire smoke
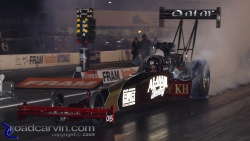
{"x": 227, "y": 49}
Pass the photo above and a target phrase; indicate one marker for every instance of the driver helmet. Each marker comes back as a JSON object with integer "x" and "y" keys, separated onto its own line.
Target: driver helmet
{"x": 153, "y": 64}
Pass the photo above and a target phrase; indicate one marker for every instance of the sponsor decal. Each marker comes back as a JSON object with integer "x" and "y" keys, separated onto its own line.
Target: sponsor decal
{"x": 157, "y": 86}
{"x": 127, "y": 72}
{"x": 128, "y": 97}
{"x": 63, "y": 58}
{"x": 192, "y": 13}
{"x": 36, "y": 59}
{"x": 90, "y": 74}
{"x": 111, "y": 76}
{"x": 114, "y": 75}
{"x": 25, "y": 60}
{"x": 18, "y": 60}
{"x": 109, "y": 118}
{"x": 181, "y": 89}
{"x": 60, "y": 83}
{"x": 49, "y": 59}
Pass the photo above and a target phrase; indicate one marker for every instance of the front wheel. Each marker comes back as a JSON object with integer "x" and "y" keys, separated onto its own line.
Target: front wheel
{"x": 57, "y": 100}
{"x": 96, "y": 101}
{"x": 201, "y": 82}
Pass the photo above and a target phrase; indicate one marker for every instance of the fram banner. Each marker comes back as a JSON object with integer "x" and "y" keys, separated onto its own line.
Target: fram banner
{"x": 110, "y": 75}
{"x": 128, "y": 71}
{"x": 64, "y": 83}
{"x": 49, "y": 59}
{"x": 8, "y": 62}
{"x": 113, "y": 75}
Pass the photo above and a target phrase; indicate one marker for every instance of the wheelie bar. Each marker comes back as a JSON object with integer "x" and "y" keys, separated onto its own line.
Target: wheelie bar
{"x": 85, "y": 113}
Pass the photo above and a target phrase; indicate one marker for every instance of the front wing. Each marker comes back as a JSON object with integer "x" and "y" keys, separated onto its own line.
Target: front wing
{"x": 81, "y": 113}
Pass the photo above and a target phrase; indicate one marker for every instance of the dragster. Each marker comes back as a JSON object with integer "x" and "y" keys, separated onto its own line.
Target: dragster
{"x": 158, "y": 78}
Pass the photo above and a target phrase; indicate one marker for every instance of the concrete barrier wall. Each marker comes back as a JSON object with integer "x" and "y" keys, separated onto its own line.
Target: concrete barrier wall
{"x": 23, "y": 61}
{"x": 118, "y": 55}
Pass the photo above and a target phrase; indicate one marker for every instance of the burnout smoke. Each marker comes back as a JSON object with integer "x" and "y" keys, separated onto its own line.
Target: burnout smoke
{"x": 226, "y": 48}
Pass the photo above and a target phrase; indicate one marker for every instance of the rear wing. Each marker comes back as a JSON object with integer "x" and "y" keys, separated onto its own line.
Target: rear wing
{"x": 214, "y": 14}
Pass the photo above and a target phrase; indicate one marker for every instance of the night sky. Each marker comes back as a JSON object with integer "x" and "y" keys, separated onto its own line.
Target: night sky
{"x": 45, "y": 5}
{"x": 23, "y": 5}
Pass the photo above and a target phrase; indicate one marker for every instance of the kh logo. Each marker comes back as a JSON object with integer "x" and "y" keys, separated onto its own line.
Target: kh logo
{"x": 8, "y": 131}
{"x": 181, "y": 89}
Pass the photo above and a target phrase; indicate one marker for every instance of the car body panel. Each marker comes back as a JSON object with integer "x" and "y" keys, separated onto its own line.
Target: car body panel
{"x": 144, "y": 88}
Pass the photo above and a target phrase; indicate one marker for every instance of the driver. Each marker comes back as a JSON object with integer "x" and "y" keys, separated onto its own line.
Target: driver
{"x": 152, "y": 67}
{"x": 153, "y": 64}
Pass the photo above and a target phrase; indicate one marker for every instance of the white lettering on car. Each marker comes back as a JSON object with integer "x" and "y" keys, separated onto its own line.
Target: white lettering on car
{"x": 157, "y": 86}
{"x": 128, "y": 97}
{"x": 192, "y": 13}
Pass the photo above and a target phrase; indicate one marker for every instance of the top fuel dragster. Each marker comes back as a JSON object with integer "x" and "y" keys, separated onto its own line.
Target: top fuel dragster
{"x": 158, "y": 78}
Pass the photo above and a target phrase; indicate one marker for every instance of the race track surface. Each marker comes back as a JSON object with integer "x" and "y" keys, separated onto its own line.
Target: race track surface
{"x": 224, "y": 117}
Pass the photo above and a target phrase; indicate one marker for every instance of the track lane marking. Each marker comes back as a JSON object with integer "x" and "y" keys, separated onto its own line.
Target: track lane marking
{"x": 37, "y": 101}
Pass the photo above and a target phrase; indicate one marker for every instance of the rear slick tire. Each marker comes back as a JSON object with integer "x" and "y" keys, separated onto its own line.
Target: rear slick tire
{"x": 201, "y": 82}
